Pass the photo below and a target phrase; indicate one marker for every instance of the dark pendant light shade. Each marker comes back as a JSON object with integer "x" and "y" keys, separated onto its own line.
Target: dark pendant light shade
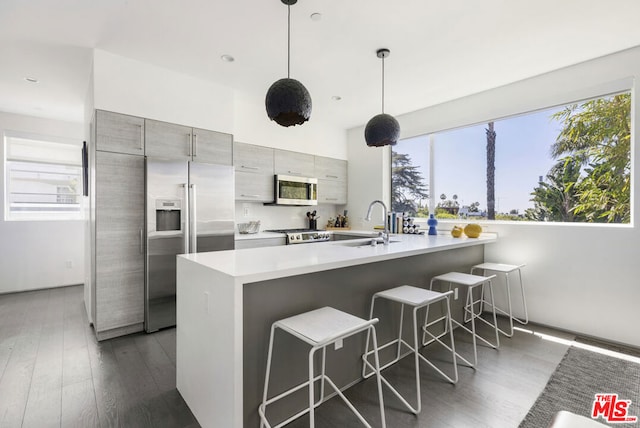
{"x": 288, "y": 102}
{"x": 383, "y": 129}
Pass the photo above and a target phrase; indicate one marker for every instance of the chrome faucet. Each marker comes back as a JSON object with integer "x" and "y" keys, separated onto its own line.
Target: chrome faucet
{"x": 385, "y": 234}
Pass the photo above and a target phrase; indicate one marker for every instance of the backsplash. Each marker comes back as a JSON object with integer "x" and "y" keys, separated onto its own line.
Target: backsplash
{"x": 284, "y": 217}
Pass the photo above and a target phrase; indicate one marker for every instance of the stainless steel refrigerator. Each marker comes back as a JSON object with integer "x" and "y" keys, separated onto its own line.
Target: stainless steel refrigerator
{"x": 190, "y": 208}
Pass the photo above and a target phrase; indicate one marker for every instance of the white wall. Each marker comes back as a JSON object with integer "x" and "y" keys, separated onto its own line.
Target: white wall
{"x": 132, "y": 87}
{"x": 34, "y": 254}
{"x": 582, "y": 278}
{"x": 252, "y": 126}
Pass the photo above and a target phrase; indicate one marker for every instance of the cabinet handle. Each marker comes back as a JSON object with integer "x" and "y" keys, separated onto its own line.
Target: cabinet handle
{"x": 331, "y": 176}
{"x": 293, "y": 172}
{"x": 249, "y": 167}
{"x": 195, "y": 145}
{"x": 141, "y": 241}
{"x": 189, "y": 145}
{"x": 331, "y": 199}
{"x": 250, "y": 196}
{"x": 141, "y": 138}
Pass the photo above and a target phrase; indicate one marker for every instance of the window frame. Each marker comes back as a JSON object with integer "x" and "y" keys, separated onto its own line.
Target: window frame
{"x": 10, "y": 161}
{"x": 611, "y": 89}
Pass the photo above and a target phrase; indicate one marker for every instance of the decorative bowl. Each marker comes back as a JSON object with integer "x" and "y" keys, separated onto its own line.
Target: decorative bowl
{"x": 251, "y": 227}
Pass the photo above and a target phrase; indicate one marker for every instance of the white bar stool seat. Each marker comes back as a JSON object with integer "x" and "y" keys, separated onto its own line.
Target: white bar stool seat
{"x": 319, "y": 328}
{"x": 507, "y": 269}
{"x": 471, "y": 282}
{"x": 416, "y": 298}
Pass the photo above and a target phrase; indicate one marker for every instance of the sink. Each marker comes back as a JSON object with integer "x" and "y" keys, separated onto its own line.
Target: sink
{"x": 366, "y": 242}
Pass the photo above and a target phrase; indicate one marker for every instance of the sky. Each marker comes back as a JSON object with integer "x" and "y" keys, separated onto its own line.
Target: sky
{"x": 523, "y": 146}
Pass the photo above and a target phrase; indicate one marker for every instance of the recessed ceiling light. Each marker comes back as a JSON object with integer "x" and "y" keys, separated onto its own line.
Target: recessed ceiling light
{"x": 336, "y": 98}
{"x": 227, "y": 58}
{"x": 31, "y": 79}
{"x": 316, "y": 16}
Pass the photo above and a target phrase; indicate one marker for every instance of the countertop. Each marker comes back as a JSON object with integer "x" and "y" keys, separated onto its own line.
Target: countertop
{"x": 260, "y": 264}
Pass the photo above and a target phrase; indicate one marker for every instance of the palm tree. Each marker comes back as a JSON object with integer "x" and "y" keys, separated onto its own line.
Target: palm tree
{"x": 491, "y": 172}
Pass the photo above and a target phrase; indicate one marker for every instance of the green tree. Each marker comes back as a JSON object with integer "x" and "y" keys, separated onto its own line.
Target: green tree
{"x": 555, "y": 198}
{"x": 597, "y": 135}
{"x": 491, "y": 172}
{"x": 407, "y": 184}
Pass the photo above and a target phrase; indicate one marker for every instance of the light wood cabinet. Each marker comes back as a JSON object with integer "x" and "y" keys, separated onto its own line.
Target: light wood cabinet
{"x": 172, "y": 141}
{"x": 253, "y": 159}
{"x": 119, "y": 244}
{"x": 293, "y": 163}
{"x": 212, "y": 147}
{"x": 330, "y": 169}
{"x": 119, "y": 133}
{"x": 253, "y": 172}
{"x": 332, "y": 180}
{"x": 332, "y": 192}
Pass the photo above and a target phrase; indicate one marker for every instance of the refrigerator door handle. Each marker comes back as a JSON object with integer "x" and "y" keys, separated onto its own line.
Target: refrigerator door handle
{"x": 194, "y": 220}
{"x": 186, "y": 218}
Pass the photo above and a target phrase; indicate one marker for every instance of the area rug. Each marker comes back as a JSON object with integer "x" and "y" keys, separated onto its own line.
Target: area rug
{"x": 578, "y": 378}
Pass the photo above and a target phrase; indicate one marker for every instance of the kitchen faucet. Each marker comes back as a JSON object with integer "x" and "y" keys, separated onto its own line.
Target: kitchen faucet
{"x": 385, "y": 234}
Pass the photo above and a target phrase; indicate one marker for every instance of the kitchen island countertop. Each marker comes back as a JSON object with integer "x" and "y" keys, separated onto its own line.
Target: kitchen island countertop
{"x": 259, "y": 264}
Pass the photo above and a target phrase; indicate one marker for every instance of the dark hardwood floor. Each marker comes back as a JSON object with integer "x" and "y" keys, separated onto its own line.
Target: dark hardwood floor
{"x": 53, "y": 373}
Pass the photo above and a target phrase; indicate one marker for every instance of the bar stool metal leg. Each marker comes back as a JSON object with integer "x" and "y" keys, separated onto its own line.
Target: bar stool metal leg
{"x": 421, "y": 299}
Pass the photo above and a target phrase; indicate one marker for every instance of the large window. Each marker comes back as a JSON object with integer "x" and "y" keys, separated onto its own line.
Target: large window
{"x": 43, "y": 178}
{"x": 564, "y": 164}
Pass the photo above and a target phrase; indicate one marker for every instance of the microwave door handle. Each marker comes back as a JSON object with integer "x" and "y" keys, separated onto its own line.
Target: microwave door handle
{"x": 194, "y": 220}
{"x": 186, "y": 218}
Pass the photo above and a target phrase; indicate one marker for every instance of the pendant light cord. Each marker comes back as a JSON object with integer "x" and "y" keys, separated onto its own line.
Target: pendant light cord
{"x": 383, "y": 84}
{"x": 288, "y": 41}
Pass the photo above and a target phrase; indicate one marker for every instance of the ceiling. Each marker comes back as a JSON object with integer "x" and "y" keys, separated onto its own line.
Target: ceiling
{"x": 440, "y": 50}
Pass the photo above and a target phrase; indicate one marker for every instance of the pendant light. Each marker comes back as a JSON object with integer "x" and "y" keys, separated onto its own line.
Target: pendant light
{"x": 383, "y": 129}
{"x": 288, "y": 102}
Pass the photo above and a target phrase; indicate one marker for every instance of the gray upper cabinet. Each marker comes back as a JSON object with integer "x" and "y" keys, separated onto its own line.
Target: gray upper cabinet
{"x": 254, "y": 172}
{"x": 294, "y": 163}
{"x": 172, "y": 141}
{"x": 330, "y": 169}
{"x": 167, "y": 140}
{"x": 253, "y": 159}
{"x": 332, "y": 192}
{"x": 119, "y": 133}
{"x": 332, "y": 180}
{"x": 212, "y": 147}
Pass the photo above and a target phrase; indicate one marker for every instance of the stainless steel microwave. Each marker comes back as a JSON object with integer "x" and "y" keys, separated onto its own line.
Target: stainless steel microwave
{"x": 292, "y": 190}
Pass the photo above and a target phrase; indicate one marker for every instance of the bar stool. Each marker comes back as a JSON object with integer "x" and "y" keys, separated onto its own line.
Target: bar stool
{"x": 319, "y": 328}
{"x": 471, "y": 282}
{"x": 506, "y": 270}
{"x": 416, "y": 298}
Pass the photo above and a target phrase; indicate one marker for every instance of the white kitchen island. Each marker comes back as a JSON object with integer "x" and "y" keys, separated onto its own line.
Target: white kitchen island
{"x": 227, "y": 300}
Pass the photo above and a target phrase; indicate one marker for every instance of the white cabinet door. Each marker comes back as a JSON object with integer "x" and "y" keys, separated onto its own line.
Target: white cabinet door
{"x": 119, "y": 133}
{"x": 294, "y": 163}
{"x": 167, "y": 140}
{"x": 212, "y": 147}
